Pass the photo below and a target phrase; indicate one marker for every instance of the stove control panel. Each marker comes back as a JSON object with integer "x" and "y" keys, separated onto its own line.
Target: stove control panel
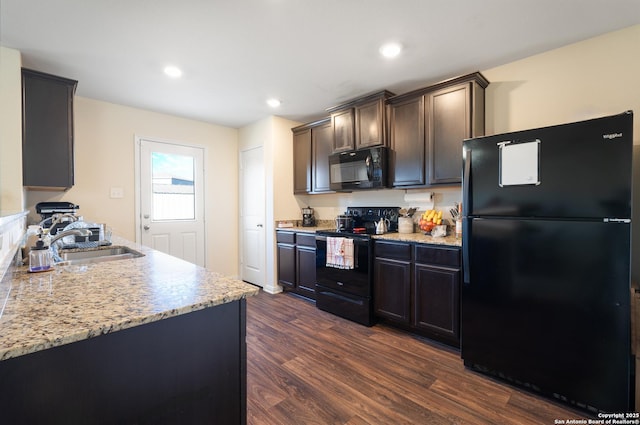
{"x": 367, "y": 216}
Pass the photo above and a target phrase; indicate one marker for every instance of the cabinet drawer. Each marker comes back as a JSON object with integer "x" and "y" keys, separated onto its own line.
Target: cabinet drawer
{"x": 285, "y": 237}
{"x": 306, "y": 239}
{"x": 441, "y": 256}
{"x": 394, "y": 251}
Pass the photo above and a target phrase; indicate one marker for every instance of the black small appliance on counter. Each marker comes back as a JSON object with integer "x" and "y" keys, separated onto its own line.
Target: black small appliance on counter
{"x": 347, "y": 291}
{"x": 49, "y": 210}
{"x": 308, "y": 220}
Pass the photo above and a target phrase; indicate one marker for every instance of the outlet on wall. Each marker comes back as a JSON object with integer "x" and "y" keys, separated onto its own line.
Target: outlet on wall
{"x": 117, "y": 193}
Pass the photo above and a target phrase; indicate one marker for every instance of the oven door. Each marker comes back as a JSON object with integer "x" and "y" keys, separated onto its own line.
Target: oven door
{"x": 356, "y": 281}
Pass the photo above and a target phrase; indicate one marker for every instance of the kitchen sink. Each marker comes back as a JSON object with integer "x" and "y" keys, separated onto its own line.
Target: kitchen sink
{"x": 97, "y": 255}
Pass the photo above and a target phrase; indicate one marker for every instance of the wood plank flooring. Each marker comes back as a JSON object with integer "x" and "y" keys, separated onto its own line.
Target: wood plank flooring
{"x": 306, "y": 366}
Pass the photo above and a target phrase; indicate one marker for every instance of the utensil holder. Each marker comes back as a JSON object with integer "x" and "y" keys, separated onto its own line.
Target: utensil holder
{"x": 405, "y": 225}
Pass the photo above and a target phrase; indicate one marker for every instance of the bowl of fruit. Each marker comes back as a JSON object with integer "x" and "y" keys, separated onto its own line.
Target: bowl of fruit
{"x": 429, "y": 220}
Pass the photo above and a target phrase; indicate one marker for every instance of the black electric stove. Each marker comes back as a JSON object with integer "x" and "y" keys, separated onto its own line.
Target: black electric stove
{"x": 347, "y": 292}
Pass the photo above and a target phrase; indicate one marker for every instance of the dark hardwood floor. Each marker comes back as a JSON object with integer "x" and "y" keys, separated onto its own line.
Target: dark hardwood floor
{"x": 306, "y": 366}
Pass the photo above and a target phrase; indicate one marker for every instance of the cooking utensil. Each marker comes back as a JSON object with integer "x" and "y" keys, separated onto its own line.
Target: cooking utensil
{"x": 344, "y": 223}
{"x": 407, "y": 213}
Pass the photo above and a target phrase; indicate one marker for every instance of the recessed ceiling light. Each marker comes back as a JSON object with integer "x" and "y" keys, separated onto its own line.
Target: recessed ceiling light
{"x": 274, "y": 103}
{"x": 173, "y": 71}
{"x": 390, "y": 50}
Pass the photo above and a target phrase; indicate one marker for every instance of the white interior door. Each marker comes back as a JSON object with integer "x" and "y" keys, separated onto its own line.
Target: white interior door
{"x": 252, "y": 212}
{"x": 171, "y": 199}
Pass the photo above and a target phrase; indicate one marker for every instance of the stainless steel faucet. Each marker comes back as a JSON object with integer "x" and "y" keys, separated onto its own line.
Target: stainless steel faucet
{"x": 70, "y": 232}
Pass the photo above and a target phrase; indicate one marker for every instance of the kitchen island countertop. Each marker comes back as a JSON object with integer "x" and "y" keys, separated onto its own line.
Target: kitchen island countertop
{"x": 77, "y": 302}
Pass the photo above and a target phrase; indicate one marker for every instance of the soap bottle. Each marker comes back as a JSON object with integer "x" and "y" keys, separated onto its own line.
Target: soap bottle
{"x": 40, "y": 259}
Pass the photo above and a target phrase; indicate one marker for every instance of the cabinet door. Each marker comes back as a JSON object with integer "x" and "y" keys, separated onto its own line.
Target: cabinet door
{"x": 437, "y": 301}
{"x": 322, "y": 143}
{"x": 392, "y": 289}
{"x": 408, "y": 162}
{"x": 448, "y": 124}
{"x": 306, "y": 271}
{"x": 302, "y": 161}
{"x": 287, "y": 265}
{"x": 343, "y": 130}
{"x": 370, "y": 124}
{"x": 47, "y": 127}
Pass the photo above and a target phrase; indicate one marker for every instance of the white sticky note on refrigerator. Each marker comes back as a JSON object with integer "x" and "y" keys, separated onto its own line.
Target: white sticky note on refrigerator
{"x": 519, "y": 163}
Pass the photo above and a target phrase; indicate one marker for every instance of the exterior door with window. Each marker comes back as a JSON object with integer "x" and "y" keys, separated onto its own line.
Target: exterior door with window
{"x": 171, "y": 204}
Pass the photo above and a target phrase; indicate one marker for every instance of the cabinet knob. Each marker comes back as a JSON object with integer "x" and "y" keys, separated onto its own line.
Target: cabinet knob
{"x": 145, "y": 227}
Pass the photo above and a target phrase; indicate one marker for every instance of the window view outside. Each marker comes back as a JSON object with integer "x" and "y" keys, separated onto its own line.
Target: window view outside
{"x": 173, "y": 187}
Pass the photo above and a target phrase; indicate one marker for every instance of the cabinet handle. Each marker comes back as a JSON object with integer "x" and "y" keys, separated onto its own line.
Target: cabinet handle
{"x": 259, "y": 225}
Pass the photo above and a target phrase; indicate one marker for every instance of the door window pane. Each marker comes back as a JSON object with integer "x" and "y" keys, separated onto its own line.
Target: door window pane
{"x": 173, "y": 186}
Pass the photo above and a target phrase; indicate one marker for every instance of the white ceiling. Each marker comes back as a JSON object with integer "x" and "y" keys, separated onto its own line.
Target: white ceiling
{"x": 311, "y": 54}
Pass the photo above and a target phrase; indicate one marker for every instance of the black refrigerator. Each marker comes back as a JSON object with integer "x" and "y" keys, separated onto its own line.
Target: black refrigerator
{"x": 546, "y": 260}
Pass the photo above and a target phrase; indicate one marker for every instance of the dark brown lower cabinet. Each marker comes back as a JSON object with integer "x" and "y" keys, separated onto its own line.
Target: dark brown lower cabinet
{"x": 286, "y": 249}
{"x": 306, "y": 265}
{"x": 392, "y": 281}
{"x": 437, "y": 300}
{"x": 417, "y": 287}
{"x": 296, "y": 262}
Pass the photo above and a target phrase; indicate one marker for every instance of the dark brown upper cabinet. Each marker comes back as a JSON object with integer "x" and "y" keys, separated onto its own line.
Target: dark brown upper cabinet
{"x": 301, "y": 160}
{"x": 427, "y": 127}
{"x": 47, "y": 131}
{"x": 453, "y": 114}
{"x": 343, "y": 130}
{"x": 371, "y": 122}
{"x": 424, "y": 130}
{"x": 312, "y": 145}
{"x": 406, "y": 140}
{"x": 322, "y": 146}
{"x": 360, "y": 123}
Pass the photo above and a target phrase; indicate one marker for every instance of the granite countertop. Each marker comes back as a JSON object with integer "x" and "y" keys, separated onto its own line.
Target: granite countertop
{"x": 449, "y": 240}
{"x": 77, "y": 302}
{"x": 301, "y": 229}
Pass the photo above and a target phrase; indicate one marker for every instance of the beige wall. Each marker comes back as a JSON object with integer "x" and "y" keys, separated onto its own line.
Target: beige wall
{"x": 284, "y": 205}
{"x": 104, "y": 158}
{"x": 12, "y": 194}
{"x": 589, "y": 79}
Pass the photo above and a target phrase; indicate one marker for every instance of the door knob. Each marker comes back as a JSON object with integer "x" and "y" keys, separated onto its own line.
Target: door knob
{"x": 145, "y": 227}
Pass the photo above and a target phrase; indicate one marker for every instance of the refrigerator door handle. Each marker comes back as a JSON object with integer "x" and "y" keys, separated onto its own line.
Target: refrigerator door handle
{"x": 466, "y": 181}
{"x": 466, "y": 277}
{"x": 466, "y": 208}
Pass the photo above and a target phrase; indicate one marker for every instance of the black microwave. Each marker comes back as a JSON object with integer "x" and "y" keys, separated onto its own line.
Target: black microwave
{"x": 361, "y": 169}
